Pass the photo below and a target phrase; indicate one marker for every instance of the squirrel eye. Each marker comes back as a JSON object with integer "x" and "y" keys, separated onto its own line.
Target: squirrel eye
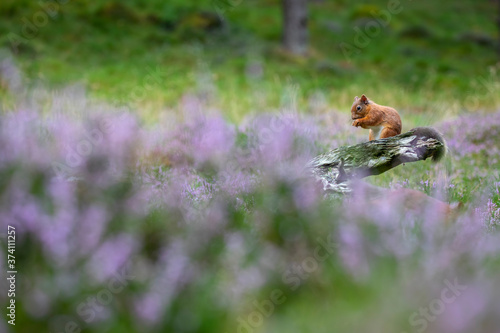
{"x": 358, "y": 107}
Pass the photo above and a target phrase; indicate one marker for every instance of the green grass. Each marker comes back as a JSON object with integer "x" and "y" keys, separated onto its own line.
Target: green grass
{"x": 418, "y": 64}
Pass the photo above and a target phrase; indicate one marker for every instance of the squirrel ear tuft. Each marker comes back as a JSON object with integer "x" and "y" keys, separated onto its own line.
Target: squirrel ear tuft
{"x": 356, "y": 98}
{"x": 364, "y": 99}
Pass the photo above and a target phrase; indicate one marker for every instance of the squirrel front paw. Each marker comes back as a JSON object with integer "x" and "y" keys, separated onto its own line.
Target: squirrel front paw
{"x": 355, "y": 123}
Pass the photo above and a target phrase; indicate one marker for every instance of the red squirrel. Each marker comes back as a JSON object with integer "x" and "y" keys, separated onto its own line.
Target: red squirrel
{"x": 382, "y": 121}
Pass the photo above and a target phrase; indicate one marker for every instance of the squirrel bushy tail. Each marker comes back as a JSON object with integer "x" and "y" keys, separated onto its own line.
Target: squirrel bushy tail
{"x": 432, "y": 133}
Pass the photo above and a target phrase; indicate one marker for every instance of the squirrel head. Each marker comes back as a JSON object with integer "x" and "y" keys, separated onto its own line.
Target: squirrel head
{"x": 360, "y": 107}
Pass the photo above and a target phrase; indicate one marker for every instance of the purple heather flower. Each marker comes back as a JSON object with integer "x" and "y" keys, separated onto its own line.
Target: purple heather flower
{"x": 111, "y": 256}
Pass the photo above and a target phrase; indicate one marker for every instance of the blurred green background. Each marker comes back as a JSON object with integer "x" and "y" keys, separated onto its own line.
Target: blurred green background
{"x": 432, "y": 59}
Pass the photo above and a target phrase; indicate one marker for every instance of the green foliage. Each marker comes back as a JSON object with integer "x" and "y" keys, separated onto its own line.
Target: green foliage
{"x": 110, "y": 47}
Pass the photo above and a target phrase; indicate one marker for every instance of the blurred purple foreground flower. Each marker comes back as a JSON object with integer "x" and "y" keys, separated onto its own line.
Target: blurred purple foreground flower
{"x": 206, "y": 214}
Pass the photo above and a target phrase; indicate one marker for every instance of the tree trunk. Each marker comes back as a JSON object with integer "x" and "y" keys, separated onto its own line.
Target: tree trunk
{"x": 295, "y": 34}
{"x": 335, "y": 168}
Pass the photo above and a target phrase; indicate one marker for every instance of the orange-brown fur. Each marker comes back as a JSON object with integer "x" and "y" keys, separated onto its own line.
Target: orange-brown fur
{"x": 369, "y": 115}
